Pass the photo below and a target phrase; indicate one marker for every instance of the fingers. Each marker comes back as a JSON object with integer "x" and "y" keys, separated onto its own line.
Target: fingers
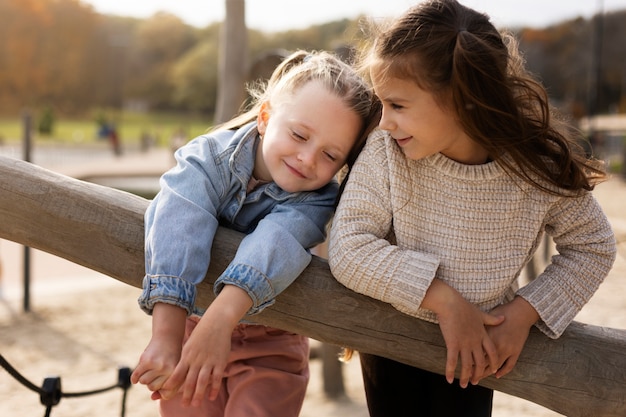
{"x": 451, "y": 362}
{"x": 215, "y": 385}
{"x": 475, "y": 364}
{"x": 152, "y": 379}
{"x": 174, "y": 383}
{"x": 492, "y": 320}
{"x": 478, "y": 370}
{"x": 195, "y": 388}
{"x": 467, "y": 368}
{"x": 210, "y": 382}
{"x": 491, "y": 358}
{"x": 507, "y": 367}
{"x": 200, "y": 385}
{"x": 472, "y": 366}
{"x": 471, "y": 343}
{"x": 137, "y": 372}
{"x": 143, "y": 373}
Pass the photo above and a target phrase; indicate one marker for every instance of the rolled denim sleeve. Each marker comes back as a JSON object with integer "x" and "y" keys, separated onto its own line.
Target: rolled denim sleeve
{"x": 271, "y": 257}
{"x": 180, "y": 225}
{"x": 167, "y": 289}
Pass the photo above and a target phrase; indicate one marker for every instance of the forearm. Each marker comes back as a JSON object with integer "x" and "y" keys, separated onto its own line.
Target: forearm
{"x": 168, "y": 321}
{"x": 522, "y": 312}
{"x": 229, "y": 307}
{"x": 440, "y": 297}
{"x": 161, "y": 355}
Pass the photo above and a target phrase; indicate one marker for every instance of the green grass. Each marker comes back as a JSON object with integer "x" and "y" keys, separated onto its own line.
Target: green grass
{"x": 616, "y": 166}
{"x": 131, "y": 127}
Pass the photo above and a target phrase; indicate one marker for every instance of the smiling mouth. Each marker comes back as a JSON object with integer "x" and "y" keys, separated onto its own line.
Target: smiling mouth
{"x": 295, "y": 171}
{"x": 403, "y": 141}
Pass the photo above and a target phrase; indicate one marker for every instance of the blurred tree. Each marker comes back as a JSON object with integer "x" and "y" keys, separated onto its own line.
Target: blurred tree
{"x": 194, "y": 78}
{"x": 63, "y": 53}
{"x": 107, "y": 61}
{"x": 159, "y": 42}
{"x": 43, "y": 50}
{"x": 564, "y": 57}
{"x": 614, "y": 61}
{"x": 45, "y": 124}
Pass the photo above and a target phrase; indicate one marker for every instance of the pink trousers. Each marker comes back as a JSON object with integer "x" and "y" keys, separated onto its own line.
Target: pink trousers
{"x": 266, "y": 376}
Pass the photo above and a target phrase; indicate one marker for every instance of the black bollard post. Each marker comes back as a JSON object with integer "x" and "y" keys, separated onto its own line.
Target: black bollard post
{"x": 26, "y": 148}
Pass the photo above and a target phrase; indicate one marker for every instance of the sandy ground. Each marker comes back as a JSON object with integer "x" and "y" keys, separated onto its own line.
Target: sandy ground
{"x": 83, "y": 326}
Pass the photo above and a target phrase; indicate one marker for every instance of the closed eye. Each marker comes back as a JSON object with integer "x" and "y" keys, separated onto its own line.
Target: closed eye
{"x": 330, "y": 156}
{"x": 392, "y": 106}
{"x": 298, "y": 136}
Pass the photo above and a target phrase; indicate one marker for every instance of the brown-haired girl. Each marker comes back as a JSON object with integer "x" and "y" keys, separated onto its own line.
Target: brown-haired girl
{"x": 451, "y": 197}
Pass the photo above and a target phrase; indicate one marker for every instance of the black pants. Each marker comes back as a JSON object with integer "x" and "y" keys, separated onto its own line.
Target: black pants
{"x": 394, "y": 389}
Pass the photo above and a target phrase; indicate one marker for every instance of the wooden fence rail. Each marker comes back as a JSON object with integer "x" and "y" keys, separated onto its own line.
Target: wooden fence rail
{"x": 583, "y": 373}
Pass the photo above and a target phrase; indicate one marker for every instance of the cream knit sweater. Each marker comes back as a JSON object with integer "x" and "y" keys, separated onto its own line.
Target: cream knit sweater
{"x": 401, "y": 223}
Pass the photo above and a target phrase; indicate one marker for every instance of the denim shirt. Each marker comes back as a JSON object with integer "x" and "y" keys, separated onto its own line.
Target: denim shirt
{"x": 207, "y": 188}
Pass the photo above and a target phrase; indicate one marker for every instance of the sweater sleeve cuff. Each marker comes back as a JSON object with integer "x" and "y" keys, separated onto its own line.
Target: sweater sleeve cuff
{"x": 407, "y": 292}
{"x": 554, "y": 317}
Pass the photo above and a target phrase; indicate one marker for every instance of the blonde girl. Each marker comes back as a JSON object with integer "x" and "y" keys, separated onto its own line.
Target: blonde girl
{"x": 268, "y": 173}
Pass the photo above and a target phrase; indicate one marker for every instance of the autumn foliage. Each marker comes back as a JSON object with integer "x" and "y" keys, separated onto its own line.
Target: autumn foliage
{"x": 64, "y": 55}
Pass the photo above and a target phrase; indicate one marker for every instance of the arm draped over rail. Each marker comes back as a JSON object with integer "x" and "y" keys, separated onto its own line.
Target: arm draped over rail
{"x": 583, "y": 373}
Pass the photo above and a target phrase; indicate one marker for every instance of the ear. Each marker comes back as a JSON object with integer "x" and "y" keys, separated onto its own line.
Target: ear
{"x": 263, "y": 117}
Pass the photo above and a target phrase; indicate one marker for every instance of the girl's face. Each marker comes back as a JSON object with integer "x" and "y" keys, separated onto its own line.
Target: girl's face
{"x": 306, "y": 138}
{"x": 421, "y": 126}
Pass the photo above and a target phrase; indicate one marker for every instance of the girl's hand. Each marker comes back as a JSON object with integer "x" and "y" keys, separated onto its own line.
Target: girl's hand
{"x": 463, "y": 327}
{"x": 156, "y": 364}
{"x": 160, "y": 357}
{"x": 201, "y": 367}
{"x": 205, "y": 353}
{"x": 510, "y": 336}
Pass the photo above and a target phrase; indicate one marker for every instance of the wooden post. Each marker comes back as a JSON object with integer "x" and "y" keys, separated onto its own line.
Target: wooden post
{"x": 232, "y": 62}
{"x": 332, "y": 375}
{"x": 583, "y": 373}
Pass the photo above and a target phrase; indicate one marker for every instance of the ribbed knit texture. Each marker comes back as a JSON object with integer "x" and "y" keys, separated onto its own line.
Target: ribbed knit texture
{"x": 401, "y": 223}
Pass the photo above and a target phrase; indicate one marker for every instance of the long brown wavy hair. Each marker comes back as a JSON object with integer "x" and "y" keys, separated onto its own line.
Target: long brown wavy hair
{"x": 457, "y": 54}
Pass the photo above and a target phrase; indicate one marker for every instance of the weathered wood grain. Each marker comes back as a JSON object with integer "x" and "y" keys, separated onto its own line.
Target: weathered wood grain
{"x": 583, "y": 373}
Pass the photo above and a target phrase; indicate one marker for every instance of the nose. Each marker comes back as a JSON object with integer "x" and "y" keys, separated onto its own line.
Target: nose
{"x": 307, "y": 157}
{"x": 386, "y": 121}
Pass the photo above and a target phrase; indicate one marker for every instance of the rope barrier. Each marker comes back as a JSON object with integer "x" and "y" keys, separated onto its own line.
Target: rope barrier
{"x": 50, "y": 393}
